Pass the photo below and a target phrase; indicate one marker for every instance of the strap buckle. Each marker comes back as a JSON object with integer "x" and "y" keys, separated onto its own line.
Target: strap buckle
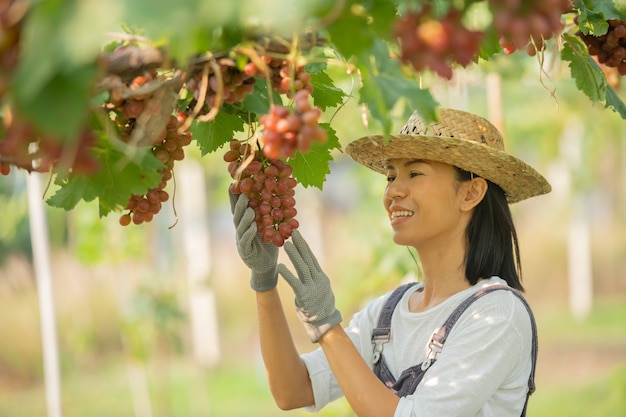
{"x": 434, "y": 348}
{"x": 380, "y": 336}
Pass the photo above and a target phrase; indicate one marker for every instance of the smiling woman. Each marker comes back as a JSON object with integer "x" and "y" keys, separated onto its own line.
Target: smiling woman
{"x": 463, "y": 341}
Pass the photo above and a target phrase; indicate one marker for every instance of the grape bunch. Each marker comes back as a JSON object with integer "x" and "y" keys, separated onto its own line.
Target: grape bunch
{"x": 609, "y": 49}
{"x": 286, "y": 131}
{"x": 436, "y": 43}
{"x": 527, "y": 25}
{"x": 235, "y": 83}
{"x": 270, "y": 189}
{"x": 142, "y": 208}
{"x": 286, "y": 77}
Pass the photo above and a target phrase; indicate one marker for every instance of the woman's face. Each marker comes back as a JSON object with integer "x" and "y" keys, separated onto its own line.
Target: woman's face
{"x": 424, "y": 202}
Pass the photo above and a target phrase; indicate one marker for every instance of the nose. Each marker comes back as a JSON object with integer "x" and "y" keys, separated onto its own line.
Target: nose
{"x": 395, "y": 189}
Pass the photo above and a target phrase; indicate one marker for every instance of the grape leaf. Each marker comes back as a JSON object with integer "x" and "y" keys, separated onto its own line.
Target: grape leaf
{"x": 121, "y": 174}
{"x": 593, "y": 14}
{"x": 588, "y": 76}
{"x": 615, "y": 103}
{"x": 212, "y": 135}
{"x": 325, "y": 94}
{"x": 384, "y": 84}
{"x": 259, "y": 101}
{"x": 67, "y": 77}
{"x": 310, "y": 168}
{"x": 350, "y": 32}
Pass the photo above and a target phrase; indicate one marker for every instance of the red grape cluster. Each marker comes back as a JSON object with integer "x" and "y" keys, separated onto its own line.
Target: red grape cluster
{"x": 235, "y": 83}
{"x": 610, "y": 48}
{"x": 529, "y": 24}
{"x": 286, "y": 131}
{"x": 285, "y": 77}
{"x": 270, "y": 189}
{"x": 436, "y": 43}
{"x": 141, "y": 208}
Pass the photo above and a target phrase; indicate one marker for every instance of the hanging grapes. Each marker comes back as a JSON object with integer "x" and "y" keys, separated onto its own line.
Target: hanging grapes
{"x": 126, "y": 112}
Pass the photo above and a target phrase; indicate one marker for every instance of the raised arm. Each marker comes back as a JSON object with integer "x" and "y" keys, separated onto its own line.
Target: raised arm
{"x": 315, "y": 302}
{"x": 288, "y": 377}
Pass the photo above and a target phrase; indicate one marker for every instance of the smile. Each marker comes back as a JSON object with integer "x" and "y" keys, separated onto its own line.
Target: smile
{"x": 400, "y": 213}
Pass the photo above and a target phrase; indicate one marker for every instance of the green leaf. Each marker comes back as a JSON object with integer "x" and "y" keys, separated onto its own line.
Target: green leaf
{"x": 593, "y": 14}
{"x": 325, "y": 94}
{"x": 350, "y": 32}
{"x": 384, "y": 84}
{"x": 310, "y": 168}
{"x": 211, "y": 136}
{"x": 70, "y": 93}
{"x": 615, "y": 103}
{"x": 588, "y": 76}
{"x": 55, "y": 68}
{"x": 259, "y": 101}
{"x": 123, "y": 172}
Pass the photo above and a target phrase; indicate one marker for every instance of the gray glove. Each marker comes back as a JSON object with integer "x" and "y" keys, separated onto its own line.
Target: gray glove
{"x": 260, "y": 257}
{"x": 315, "y": 301}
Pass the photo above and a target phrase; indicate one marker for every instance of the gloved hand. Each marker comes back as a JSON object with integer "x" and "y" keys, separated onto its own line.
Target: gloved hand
{"x": 315, "y": 301}
{"x": 260, "y": 257}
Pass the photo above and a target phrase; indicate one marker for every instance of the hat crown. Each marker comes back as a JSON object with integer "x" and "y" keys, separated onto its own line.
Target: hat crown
{"x": 456, "y": 124}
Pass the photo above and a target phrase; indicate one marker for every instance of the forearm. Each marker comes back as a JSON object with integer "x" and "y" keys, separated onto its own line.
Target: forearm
{"x": 287, "y": 375}
{"x": 366, "y": 394}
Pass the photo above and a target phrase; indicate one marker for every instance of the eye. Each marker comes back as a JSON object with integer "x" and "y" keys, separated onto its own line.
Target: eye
{"x": 414, "y": 174}
{"x": 390, "y": 178}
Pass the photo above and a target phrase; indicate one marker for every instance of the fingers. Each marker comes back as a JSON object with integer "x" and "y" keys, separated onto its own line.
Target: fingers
{"x": 246, "y": 230}
{"x": 301, "y": 266}
{"x": 305, "y": 250}
{"x": 291, "y": 279}
{"x": 232, "y": 197}
{"x": 240, "y": 207}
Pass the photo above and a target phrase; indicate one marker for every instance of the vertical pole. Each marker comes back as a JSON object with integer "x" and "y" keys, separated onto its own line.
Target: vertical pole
{"x": 41, "y": 259}
{"x": 196, "y": 244}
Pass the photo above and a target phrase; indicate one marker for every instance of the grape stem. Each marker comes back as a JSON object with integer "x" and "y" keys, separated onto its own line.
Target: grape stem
{"x": 204, "y": 85}
{"x": 247, "y": 158}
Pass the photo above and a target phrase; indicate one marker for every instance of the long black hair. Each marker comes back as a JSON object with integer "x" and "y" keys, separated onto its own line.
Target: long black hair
{"x": 492, "y": 247}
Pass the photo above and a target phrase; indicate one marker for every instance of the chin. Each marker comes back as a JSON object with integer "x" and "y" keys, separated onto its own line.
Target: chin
{"x": 398, "y": 239}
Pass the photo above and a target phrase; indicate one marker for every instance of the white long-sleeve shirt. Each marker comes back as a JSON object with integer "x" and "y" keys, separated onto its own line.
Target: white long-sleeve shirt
{"x": 482, "y": 371}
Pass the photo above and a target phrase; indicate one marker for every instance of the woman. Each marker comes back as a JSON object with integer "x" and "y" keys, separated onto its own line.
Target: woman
{"x": 448, "y": 188}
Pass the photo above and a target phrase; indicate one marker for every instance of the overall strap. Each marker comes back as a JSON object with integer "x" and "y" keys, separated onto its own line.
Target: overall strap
{"x": 439, "y": 337}
{"x": 382, "y": 332}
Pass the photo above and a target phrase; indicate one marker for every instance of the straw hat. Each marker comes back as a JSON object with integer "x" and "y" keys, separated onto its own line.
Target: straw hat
{"x": 461, "y": 139}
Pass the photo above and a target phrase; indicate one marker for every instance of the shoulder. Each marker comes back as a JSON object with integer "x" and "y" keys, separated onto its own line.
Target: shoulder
{"x": 495, "y": 302}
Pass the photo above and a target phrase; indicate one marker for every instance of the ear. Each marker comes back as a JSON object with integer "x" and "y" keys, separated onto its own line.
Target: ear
{"x": 474, "y": 192}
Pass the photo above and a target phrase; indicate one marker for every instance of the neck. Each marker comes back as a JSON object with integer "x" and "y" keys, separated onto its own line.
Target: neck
{"x": 443, "y": 275}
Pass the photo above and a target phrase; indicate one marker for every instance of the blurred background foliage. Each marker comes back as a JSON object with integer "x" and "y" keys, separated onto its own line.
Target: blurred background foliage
{"x": 122, "y": 295}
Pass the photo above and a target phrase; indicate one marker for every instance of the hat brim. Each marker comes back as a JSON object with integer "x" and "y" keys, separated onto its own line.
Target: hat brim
{"x": 518, "y": 180}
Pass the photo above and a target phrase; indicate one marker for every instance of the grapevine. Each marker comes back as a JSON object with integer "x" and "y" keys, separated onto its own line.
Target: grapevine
{"x": 270, "y": 188}
{"x": 229, "y": 76}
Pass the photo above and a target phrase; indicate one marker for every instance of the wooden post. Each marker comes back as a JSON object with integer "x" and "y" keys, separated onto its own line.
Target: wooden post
{"x": 196, "y": 244}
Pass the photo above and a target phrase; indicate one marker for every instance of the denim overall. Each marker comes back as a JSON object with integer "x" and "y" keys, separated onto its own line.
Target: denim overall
{"x": 410, "y": 378}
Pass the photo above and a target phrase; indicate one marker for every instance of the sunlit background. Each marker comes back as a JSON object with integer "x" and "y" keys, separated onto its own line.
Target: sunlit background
{"x": 159, "y": 320}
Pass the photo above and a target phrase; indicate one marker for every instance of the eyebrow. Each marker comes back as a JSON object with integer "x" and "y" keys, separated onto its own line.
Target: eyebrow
{"x": 408, "y": 163}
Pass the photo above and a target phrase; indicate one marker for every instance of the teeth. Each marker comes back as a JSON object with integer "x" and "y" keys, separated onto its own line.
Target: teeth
{"x": 403, "y": 213}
